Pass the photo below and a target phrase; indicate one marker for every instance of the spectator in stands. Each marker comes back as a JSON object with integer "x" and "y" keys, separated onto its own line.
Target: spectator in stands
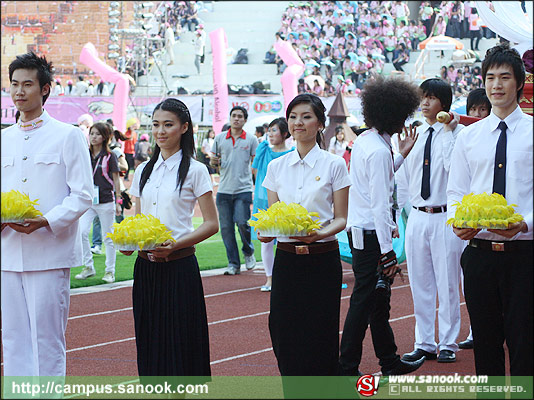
{"x": 440, "y": 26}
{"x": 401, "y": 56}
{"x": 474, "y": 29}
{"x": 58, "y": 89}
{"x": 425, "y": 14}
{"x": 302, "y": 87}
{"x": 455, "y": 20}
{"x": 317, "y": 88}
{"x": 169, "y": 43}
{"x": 400, "y": 12}
{"x": 81, "y": 86}
{"x": 199, "y": 49}
{"x": 233, "y": 152}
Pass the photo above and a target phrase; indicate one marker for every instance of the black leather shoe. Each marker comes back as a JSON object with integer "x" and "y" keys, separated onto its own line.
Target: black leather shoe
{"x": 404, "y": 367}
{"x": 466, "y": 344}
{"x": 417, "y": 354}
{"x": 446, "y": 356}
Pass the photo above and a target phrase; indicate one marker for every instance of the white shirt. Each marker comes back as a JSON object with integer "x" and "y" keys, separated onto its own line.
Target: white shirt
{"x": 206, "y": 145}
{"x": 310, "y": 182}
{"x": 339, "y": 148}
{"x": 51, "y": 164}
{"x": 81, "y": 88}
{"x": 473, "y": 160}
{"x": 169, "y": 37}
{"x": 371, "y": 193}
{"x": 162, "y": 199}
{"x": 410, "y": 175}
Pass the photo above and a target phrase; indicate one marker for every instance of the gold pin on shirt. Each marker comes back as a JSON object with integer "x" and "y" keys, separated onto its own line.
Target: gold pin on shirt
{"x": 317, "y": 178}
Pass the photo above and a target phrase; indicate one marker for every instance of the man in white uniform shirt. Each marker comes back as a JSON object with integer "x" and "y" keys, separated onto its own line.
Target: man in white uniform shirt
{"x": 49, "y": 161}
{"x": 386, "y": 104}
{"x": 495, "y": 155}
{"x": 432, "y": 250}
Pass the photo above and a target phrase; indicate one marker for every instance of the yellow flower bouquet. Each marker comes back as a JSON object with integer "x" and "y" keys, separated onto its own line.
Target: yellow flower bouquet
{"x": 140, "y": 232}
{"x": 17, "y": 206}
{"x": 484, "y": 211}
{"x": 283, "y": 220}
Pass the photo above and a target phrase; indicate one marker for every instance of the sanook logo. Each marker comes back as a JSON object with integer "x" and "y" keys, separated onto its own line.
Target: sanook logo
{"x": 367, "y": 385}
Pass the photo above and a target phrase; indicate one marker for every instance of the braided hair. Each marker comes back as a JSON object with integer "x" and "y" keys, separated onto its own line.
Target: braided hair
{"x": 187, "y": 145}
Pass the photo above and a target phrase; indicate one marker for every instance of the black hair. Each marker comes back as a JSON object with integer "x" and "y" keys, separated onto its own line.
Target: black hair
{"x": 187, "y": 145}
{"x": 31, "y": 61}
{"x": 503, "y": 54}
{"x": 105, "y": 131}
{"x": 318, "y": 109}
{"x": 387, "y": 103}
{"x": 260, "y": 129}
{"x": 438, "y": 88}
{"x": 245, "y": 113}
{"x": 225, "y": 127}
{"x": 282, "y": 125}
{"x": 477, "y": 97}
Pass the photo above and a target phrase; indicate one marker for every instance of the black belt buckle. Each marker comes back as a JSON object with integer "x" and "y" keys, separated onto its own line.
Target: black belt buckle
{"x": 302, "y": 249}
{"x": 429, "y": 210}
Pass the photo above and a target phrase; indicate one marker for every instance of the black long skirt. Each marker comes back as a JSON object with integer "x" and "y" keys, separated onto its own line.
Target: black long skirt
{"x": 304, "y": 318}
{"x": 171, "y": 327}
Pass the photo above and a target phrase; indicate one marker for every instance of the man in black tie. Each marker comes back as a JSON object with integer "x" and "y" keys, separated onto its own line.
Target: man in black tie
{"x": 432, "y": 250}
{"x": 495, "y": 155}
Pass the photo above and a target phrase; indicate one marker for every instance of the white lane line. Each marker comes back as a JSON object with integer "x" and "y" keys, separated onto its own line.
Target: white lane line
{"x": 240, "y": 356}
{"x": 100, "y": 344}
{"x": 100, "y": 313}
{"x": 238, "y": 318}
{"x": 232, "y": 291}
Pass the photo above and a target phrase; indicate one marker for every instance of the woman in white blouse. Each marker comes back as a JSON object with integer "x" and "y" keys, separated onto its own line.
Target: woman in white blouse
{"x": 306, "y": 289}
{"x": 168, "y": 299}
{"x": 338, "y": 144}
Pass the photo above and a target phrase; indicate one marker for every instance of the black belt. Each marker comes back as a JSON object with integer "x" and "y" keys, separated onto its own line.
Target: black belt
{"x": 432, "y": 210}
{"x": 175, "y": 255}
{"x": 512, "y": 245}
{"x": 312, "y": 248}
{"x": 369, "y": 232}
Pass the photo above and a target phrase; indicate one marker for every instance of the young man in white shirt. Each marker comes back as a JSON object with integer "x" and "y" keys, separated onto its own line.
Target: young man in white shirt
{"x": 495, "y": 155}
{"x": 386, "y": 105}
{"x": 234, "y": 151}
{"x": 49, "y": 161}
{"x": 432, "y": 250}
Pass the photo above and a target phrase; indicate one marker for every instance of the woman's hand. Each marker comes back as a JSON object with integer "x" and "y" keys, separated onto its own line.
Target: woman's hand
{"x": 264, "y": 239}
{"x": 164, "y": 249}
{"x": 465, "y": 233}
{"x": 312, "y": 237}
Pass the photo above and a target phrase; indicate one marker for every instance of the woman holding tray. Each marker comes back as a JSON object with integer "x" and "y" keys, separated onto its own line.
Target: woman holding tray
{"x": 306, "y": 287}
{"x": 171, "y": 327}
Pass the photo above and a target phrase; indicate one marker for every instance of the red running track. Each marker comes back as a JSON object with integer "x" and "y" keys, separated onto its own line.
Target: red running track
{"x": 100, "y": 331}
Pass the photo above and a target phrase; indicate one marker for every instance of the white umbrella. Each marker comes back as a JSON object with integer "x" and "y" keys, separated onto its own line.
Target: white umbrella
{"x": 310, "y": 79}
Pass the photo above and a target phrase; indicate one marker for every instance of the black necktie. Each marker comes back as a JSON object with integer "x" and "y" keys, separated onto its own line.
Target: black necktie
{"x": 499, "y": 169}
{"x": 425, "y": 183}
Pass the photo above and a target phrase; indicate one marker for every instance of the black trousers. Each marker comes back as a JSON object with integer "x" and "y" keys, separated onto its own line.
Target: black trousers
{"x": 304, "y": 318}
{"x": 498, "y": 293}
{"x": 367, "y": 307}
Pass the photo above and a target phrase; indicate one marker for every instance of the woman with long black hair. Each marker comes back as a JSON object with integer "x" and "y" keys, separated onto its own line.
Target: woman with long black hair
{"x": 171, "y": 327}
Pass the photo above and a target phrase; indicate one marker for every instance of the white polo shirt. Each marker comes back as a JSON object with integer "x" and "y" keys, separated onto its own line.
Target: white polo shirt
{"x": 162, "y": 199}
{"x": 473, "y": 161}
{"x": 310, "y": 182}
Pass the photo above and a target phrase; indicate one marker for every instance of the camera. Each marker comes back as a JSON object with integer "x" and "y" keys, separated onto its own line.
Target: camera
{"x": 384, "y": 283}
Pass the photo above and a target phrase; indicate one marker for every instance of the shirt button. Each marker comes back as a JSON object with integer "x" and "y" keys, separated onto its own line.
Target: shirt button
{"x": 24, "y": 179}
{"x": 25, "y": 158}
{"x": 26, "y": 137}
{"x": 300, "y": 187}
{"x": 154, "y": 203}
{"x": 500, "y": 165}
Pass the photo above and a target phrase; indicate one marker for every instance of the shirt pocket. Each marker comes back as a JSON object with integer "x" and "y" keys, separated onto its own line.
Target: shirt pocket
{"x": 46, "y": 158}
{"x": 8, "y": 161}
{"x": 520, "y": 166}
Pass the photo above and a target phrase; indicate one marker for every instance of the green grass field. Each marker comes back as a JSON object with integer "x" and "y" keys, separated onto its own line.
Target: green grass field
{"x": 210, "y": 254}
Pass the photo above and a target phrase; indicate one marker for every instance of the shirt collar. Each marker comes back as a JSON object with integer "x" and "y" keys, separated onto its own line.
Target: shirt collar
{"x": 170, "y": 162}
{"x": 229, "y": 134}
{"x": 34, "y": 123}
{"x": 310, "y": 159}
{"x": 511, "y": 120}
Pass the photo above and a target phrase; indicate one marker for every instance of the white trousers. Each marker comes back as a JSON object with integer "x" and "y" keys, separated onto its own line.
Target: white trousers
{"x": 106, "y": 213}
{"x": 433, "y": 254}
{"x": 35, "y": 307}
{"x": 267, "y": 256}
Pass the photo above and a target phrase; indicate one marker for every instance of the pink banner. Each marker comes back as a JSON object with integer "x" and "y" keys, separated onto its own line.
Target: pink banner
{"x": 220, "y": 83}
{"x": 89, "y": 56}
{"x": 295, "y": 68}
